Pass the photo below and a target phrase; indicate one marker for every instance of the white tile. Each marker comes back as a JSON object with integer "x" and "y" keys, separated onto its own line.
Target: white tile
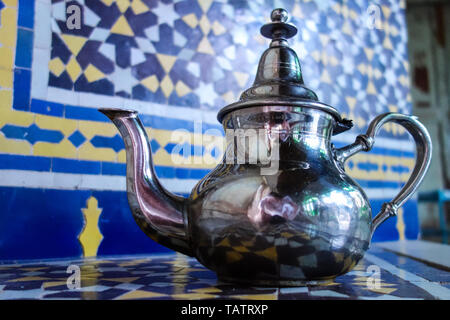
{"x": 435, "y": 253}
{"x": 179, "y": 39}
{"x": 137, "y": 56}
{"x": 55, "y": 27}
{"x": 99, "y": 34}
{"x": 98, "y": 288}
{"x": 42, "y": 25}
{"x": 194, "y": 68}
{"x": 128, "y": 286}
{"x": 59, "y": 10}
{"x": 294, "y": 290}
{"x": 100, "y": 101}
{"x": 145, "y": 45}
{"x": 39, "y": 75}
{"x": 63, "y": 96}
{"x": 152, "y": 33}
{"x": 108, "y": 50}
{"x": 90, "y": 18}
{"x": 327, "y": 293}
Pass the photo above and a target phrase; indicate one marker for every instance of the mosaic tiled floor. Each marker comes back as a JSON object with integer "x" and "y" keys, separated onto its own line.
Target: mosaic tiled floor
{"x": 179, "y": 277}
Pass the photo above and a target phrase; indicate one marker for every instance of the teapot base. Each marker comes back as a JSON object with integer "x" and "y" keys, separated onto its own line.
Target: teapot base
{"x": 275, "y": 283}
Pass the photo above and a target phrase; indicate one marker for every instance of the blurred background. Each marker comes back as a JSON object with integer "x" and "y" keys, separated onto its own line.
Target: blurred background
{"x": 62, "y": 163}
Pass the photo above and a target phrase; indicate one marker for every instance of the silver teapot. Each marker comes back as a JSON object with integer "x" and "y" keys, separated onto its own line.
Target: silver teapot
{"x": 278, "y": 210}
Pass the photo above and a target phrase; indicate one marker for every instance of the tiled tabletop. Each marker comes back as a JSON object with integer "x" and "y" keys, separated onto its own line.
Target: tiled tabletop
{"x": 180, "y": 277}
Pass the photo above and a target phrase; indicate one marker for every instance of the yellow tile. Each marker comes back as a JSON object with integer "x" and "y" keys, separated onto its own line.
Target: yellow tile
{"x": 64, "y": 149}
{"x": 207, "y": 290}
{"x": 56, "y": 66}
{"x": 88, "y": 152}
{"x": 74, "y": 43}
{"x": 51, "y": 284}
{"x": 92, "y": 128}
{"x": 269, "y": 253}
{"x": 10, "y": 3}
{"x": 193, "y": 296}
{"x": 121, "y": 156}
{"x": 205, "y": 4}
{"x": 232, "y": 256}
{"x": 139, "y": 7}
{"x": 19, "y": 118}
{"x": 205, "y": 46}
{"x": 122, "y": 27}
{"x": 241, "y": 78}
{"x": 73, "y": 69}
{"x": 6, "y": 58}
{"x": 5, "y": 100}
{"x": 384, "y": 290}
{"x": 140, "y": 294}
{"x": 91, "y": 237}
{"x": 205, "y": 25}
{"x": 66, "y": 126}
{"x": 93, "y": 74}
{"x": 14, "y": 146}
{"x": 8, "y": 29}
{"x": 182, "y": 89}
{"x": 151, "y": 83}
{"x": 240, "y": 249}
{"x": 218, "y": 29}
{"x": 108, "y": 2}
{"x": 123, "y": 5}
{"x": 6, "y": 78}
{"x": 166, "y": 61}
{"x": 166, "y": 86}
{"x": 191, "y": 20}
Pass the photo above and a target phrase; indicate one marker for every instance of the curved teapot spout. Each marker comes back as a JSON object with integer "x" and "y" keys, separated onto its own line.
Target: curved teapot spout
{"x": 159, "y": 213}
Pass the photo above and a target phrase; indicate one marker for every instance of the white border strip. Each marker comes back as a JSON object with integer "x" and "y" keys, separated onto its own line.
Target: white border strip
{"x": 70, "y": 181}
{"x": 433, "y": 288}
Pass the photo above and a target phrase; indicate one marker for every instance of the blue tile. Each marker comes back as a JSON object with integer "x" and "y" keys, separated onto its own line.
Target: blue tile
{"x": 115, "y": 143}
{"x": 102, "y": 86}
{"x": 117, "y": 169}
{"x": 63, "y": 81}
{"x": 48, "y": 108}
{"x": 48, "y": 222}
{"x": 82, "y": 113}
{"x": 24, "y": 48}
{"x": 77, "y": 138}
{"x": 18, "y": 162}
{"x": 32, "y": 133}
{"x": 26, "y": 14}
{"x": 76, "y": 166}
{"x": 22, "y": 86}
{"x": 164, "y": 172}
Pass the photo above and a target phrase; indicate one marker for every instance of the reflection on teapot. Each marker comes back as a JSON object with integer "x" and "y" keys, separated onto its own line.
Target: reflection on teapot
{"x": 305, "y": 221}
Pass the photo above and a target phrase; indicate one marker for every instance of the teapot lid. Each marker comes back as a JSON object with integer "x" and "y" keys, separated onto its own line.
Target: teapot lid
{"x": 279, "y": 79}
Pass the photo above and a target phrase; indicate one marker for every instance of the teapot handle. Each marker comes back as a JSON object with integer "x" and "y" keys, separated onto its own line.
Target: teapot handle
{"x": 365, "y": 143}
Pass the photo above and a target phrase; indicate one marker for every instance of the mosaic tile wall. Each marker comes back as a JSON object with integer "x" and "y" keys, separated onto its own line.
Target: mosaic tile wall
{"x": 62, "y": 163}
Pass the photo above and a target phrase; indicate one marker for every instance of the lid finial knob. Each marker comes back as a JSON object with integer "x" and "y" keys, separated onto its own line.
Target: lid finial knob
{"x": 278, "y": 30}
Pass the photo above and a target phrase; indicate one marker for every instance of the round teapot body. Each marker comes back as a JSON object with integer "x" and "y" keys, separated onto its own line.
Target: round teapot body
{"x": 304, "y": 221}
